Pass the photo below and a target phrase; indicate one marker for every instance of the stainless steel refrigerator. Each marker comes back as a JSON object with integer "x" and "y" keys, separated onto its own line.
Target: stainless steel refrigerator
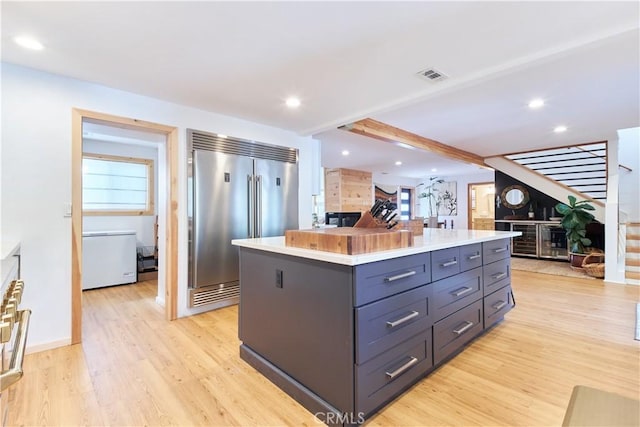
{"x": 238, "y": 189}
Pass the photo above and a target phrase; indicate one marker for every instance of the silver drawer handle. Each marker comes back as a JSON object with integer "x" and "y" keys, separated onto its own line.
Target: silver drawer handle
{"x": 463, "y": 329}
{"x": 476, "y": 256}
{"x": 449, "y": 263}
{"x": 461, "y": 291}
{"x": 404, "y": 319}
{"x": 497, "y": 251}
{"x": 499, "y": 276}
{"x": 400, "y": 276}
{"x": 402, "y": 368}
{"x": 499, "y": 305}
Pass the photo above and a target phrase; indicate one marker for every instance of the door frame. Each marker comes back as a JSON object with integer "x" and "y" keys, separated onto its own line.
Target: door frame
{"x": 171, "y": 216}
{"x": 469, "y": 214}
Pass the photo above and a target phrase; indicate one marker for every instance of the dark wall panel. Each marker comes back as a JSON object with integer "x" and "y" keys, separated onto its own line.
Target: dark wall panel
{"x": 540, "y": 201}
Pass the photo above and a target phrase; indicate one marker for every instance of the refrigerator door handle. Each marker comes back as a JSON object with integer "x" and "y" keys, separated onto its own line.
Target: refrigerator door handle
{"x": 251, "y": 213}
{"x": 259, "y": 206}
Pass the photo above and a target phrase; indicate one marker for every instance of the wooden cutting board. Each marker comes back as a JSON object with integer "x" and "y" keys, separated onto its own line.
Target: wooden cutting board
{"x": 349, "y": 240}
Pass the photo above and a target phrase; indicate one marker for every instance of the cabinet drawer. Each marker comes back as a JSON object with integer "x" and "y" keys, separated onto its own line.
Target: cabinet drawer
{"x": 497, "y": 305}
{"x": 445, "y": 263}
{"x": 388, "y": 322}
{"x": 496, "y": 250}
{"x": 381, "y": 279}
{"x": 388, "y": 374}
{"x": 496, "y": 275}
{"x": 454, "y": 331}
{"x": 470, "y": 257}
{"x": 453, "y": 293}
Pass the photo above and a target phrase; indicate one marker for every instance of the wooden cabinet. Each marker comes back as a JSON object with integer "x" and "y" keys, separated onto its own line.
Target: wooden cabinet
{"x": 483, "y": 224}
{"x": 347, "y": 190}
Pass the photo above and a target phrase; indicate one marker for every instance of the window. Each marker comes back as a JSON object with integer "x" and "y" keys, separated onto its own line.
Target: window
{"x": 114, "y": 185}
{"x": 405, "y": 203}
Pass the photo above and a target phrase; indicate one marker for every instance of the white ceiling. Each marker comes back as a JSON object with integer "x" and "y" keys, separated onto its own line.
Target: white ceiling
{"x": 351, "y": 60}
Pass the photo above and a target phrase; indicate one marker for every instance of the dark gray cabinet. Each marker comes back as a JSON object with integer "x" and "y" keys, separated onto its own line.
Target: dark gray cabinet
{"x": 349, "y": 339}
{"x": 457, "y": 329}
{"x": 388, "y": 374}
{"x": 456, "y": 292}
{"x": 386, "y": 323}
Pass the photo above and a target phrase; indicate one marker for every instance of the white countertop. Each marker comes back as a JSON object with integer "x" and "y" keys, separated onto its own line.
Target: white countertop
{"x": 8, "y": 248}
{"x": 431, "y": 240}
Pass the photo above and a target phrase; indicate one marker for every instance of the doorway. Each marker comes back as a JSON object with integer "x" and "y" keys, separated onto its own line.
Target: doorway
{"x": 167, "y": 212}
{"x": 481, "y": 206}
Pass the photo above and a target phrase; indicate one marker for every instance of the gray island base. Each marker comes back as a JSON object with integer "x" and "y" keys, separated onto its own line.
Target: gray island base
{"x": 344, "y": 335}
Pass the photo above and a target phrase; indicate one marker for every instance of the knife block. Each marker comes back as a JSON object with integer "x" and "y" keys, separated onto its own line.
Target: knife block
{"x": 368, "y": 221}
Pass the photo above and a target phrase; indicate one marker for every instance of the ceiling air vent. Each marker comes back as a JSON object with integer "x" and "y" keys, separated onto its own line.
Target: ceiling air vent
{"x": 432, "y": 74}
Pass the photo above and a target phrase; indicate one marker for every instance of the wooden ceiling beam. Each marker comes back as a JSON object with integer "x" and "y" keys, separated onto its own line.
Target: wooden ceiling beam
{"x": 384, "y": 132}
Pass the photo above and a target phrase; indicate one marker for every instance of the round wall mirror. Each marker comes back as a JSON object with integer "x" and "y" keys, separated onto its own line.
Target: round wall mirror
{"x": 514, "y": 197}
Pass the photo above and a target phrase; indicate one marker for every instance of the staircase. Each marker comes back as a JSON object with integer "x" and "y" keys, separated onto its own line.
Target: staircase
{"x": 632, "y": 254}
{"x": 582, "y": 168}
{"x": 580, "y": 171}
{"x": 543, "y": 183}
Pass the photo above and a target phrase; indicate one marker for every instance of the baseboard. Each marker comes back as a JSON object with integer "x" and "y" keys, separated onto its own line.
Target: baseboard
{"x": 160, "y": 301}
{"x": 47, "y": 346}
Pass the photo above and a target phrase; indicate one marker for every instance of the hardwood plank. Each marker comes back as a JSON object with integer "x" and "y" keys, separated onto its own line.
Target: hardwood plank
{"x": 136, "y": 368}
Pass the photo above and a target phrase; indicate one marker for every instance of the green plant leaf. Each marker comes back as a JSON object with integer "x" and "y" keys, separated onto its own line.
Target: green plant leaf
{"x": 572, "y": 201}
{"x": 588, "y": 207}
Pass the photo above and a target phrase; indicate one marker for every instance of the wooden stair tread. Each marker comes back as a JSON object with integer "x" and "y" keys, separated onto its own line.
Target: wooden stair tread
{"x": 632, "y": 275}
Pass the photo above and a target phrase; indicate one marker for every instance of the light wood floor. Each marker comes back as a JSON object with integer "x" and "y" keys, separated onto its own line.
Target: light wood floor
{"x": 134, "y": 368}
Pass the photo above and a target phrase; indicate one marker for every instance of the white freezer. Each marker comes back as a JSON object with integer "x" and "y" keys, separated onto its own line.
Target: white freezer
{"x": 108, "y": 258}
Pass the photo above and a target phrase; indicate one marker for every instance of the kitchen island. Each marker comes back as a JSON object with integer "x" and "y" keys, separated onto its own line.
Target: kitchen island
{"x": 345, "y": 334}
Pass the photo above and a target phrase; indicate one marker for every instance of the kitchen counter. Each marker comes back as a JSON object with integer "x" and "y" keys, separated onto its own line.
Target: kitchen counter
{"x": 432, "y": 239}
{"x": 346, "y": 334}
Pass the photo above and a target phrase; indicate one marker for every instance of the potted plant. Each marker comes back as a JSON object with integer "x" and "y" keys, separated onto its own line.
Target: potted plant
{"x": 575, "y": 217}
{"x": 430, "y": 193}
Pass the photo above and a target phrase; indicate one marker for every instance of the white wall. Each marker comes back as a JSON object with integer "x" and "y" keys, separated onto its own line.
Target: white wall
{"x": 142, "y": 224}
{"x": 460, "y": 221}
{"x": 36, "y": 179}
{"x": 629, "y": 155}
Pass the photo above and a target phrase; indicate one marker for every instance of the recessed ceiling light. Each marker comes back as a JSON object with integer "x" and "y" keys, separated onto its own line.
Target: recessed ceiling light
{"x": 345, "y": 152}
{"x": 221, "y": 135}
{"x": 560, "y": 129}
{"x": 292, "y": 102}
{"x": 434, "y": 170}
{"x": 536, "y": 103}
{"x": 398, "y": 163}
{"x": 28, "y": 42}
